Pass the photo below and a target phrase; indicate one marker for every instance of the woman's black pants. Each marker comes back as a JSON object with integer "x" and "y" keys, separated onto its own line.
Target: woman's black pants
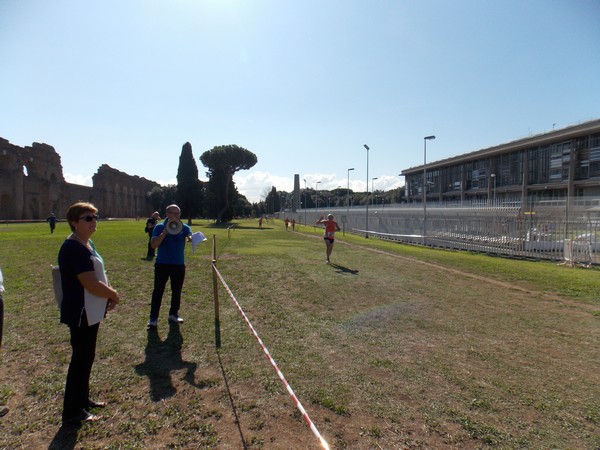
{"x": 77, "y": 388}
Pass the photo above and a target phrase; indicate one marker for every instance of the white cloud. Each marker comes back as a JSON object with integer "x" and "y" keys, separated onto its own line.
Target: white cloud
{"x": 78, "y": 179}
{"x": 254, "y": 185}
{"x": 167, "y": 182}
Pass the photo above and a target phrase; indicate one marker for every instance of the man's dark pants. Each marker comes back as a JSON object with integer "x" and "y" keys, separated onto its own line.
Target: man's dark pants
{"x": 162, "y": 273}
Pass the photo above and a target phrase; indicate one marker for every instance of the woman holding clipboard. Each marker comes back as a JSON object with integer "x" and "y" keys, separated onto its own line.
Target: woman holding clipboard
{"x": 87, "y": 296}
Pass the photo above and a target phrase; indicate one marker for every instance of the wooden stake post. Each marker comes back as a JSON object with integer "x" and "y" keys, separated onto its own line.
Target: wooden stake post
{"x": 216, "y": 293}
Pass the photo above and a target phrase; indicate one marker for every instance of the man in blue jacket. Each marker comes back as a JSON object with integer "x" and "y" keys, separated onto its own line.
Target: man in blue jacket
{"x": 169, "y": 264}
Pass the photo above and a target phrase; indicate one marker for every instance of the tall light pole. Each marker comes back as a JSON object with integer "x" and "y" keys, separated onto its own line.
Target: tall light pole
{"x": 494, "y": 177}
{"x": 373, "y": 190}
{"x": 425, "y": 139}
{"x": 348, "y": 193}
{"x": 367, "y": 202}
{"x": 317, "y": 195}
{"x": 304, "y": 201}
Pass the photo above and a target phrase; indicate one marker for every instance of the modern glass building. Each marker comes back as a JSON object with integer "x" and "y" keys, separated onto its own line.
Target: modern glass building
{"x": 560, "y": 164}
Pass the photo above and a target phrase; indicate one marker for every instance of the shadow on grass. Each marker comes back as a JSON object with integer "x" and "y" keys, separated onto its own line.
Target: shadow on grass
{"x": 233, "y": 409}
{"x": 162, "y": 357}
{"x": 65, "y": 438}
{"x": 342, "y": 269}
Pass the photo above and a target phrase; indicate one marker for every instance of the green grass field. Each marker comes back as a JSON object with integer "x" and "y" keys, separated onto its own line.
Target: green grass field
{"x": 390, "y": 346}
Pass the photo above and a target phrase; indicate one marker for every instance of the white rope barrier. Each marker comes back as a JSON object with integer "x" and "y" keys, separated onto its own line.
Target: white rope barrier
{"x": 273, "y": 363}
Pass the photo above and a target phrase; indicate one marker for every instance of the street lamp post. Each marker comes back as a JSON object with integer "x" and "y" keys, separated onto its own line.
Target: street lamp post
{"x": 425, "y": 139}
{"x": 304, "y": 201}
{"x": 367, "y": 202}
{"x": 317, "y": 196}
{"x": 373, "y": 190}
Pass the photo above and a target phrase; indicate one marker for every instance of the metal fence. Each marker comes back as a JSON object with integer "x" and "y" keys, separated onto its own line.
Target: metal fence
{"x": 539, "y": 230}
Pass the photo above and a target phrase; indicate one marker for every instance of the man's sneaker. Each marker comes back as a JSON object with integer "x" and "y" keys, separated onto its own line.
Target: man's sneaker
{"x": 327, "y": 261}
{"x": 175, "y": 319}
{"x": 152, "y": 324}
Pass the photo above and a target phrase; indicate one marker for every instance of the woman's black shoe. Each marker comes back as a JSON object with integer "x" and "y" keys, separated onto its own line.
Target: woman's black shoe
{"x": 96, "y": 404}
{"x": 84, "y": 416}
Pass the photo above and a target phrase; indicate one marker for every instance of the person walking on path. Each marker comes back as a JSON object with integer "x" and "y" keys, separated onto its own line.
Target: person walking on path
{"x": 170, "y": 264}
{"x": 331, "y": 226}
{"x": 52, "y": 222}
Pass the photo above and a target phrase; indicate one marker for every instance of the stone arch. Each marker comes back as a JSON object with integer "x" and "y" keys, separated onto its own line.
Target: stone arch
{"x": 34, "y": 208}
{"x": 7, "y": 205}
{"x": 32, "y": 185}
{"x": 124, "y": 202}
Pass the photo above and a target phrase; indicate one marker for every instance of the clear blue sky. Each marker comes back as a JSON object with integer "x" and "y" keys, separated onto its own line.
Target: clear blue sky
{"x": 303, "y": 84}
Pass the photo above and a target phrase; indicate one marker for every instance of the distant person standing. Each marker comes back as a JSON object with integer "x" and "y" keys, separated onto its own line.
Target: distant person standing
{"x": 293, "y": 224}
{"x": 170, "y": 264}
{"x": 152, "y": 220}
{"x": 3, "y": 408}
{"x": 331, "y": 226}
{"x": 52, "y": 222}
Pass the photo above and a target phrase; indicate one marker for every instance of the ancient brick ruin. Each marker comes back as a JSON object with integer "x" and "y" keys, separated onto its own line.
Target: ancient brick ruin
{"x": 32, "y": 186}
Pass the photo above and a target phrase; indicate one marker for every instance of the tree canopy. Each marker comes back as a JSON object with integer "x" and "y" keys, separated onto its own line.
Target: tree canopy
{"x": 189, "y": 187}
{"x": 223, "y": 162}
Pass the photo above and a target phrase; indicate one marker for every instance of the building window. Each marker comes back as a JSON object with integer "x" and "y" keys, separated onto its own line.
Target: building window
{"x": 594, "y": 162}
{"x": 556, "y": 162}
